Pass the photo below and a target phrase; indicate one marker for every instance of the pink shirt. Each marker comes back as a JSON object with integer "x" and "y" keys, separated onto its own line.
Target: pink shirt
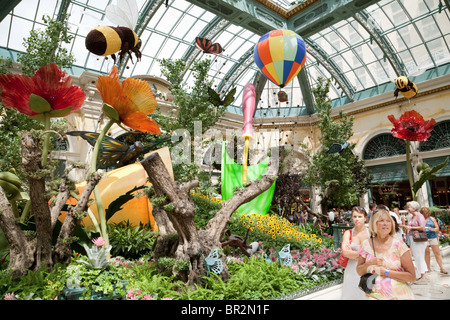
{"x": 417, "y": 221}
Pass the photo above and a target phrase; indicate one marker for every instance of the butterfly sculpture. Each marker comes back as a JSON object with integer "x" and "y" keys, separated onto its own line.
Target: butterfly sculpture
{"x": 214, "y": 97}
{"x": 207, "y": 46}
{"x": 337, "y": 147}
{"x": 213, "y": 262}
{"x": 114, "y": 153}
{"x": 285, "y": 255}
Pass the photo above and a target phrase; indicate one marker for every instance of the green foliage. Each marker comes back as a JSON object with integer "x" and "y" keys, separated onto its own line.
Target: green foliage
{"x": 257, "y": 279}
{"x": 344, "y": 168}
{"x": 192, "y": 106}
{"x": 44, "y": 284}
{"x": 427, "y": 173}
{"x": 131, "y": 242}
{"x": 205, "y": 209}
{"x": 44, "y": 47}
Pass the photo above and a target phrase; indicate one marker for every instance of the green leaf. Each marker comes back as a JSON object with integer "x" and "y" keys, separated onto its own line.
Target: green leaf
{"x": 428, "y": 173}
{"x": 39, "y": 117}
{"x": 61, "y": 112}
{"x": 111, "y": 112}
{"x": 38, "y": 104}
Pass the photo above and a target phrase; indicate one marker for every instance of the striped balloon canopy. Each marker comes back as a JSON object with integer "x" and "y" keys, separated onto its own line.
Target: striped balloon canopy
{"x": 280, "y": 55}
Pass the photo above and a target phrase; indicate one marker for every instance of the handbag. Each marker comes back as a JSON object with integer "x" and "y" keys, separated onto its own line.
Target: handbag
{"x": 419, "y": 236}
{"x": 342, "y": 261}
{"x": 367, "y": 281}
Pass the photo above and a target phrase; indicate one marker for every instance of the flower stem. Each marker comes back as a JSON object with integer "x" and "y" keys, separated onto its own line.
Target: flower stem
{"x": 98, "y": 199}
{"x": 46, "y": 139}
{"x": 408, "y": 169}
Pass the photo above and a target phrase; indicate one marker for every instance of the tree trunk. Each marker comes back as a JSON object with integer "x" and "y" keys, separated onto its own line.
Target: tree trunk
{"x": 31, "y": 158}
{"x": 191, "y": 244}
{"x": 62, "y": 252}
{"x": 21, "y": 255}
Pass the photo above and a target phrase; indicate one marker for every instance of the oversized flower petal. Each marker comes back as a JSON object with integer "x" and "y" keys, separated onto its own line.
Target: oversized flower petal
{"x": 140, "y": 95}
{"x": 16, "y": 90}
{"x": 411, "y": 126}
{"x": 139, "y": 121}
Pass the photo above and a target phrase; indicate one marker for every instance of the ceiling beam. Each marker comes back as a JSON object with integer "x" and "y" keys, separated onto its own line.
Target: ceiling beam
{"x": 247, "y": 14}
{"x": 370, "y": 26}
{"x": 321, "y": 57}
{"x": 305, "y": 87}
{"x": 7, "y": 8}
{"x": 324, "y": 14}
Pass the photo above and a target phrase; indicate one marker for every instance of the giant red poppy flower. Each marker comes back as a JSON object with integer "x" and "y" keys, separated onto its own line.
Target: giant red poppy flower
{"x": 50, "y": 83}
{"x": 411, "y": 126}
{"x": 133, "y": 100}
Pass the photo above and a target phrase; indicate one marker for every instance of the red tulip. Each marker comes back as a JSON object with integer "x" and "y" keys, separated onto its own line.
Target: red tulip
{"x": 411, "y": 126}
{"x": 49, "y": 90}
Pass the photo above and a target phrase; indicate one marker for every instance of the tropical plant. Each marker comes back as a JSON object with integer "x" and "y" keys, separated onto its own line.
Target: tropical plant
{"x": 131, "y": 242}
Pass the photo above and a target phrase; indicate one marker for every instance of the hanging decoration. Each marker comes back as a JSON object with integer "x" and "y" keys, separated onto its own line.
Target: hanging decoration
{"x": 280, "y": 55}
{"x": 406, "y": 87}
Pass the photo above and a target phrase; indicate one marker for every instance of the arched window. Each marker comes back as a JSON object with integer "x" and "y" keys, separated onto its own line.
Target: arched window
{"x": 383, "y": 145}
{"x": 439, "y": 139}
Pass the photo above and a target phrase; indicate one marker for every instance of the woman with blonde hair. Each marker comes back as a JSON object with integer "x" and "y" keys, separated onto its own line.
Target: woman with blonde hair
{"x": 417, "y": 223}
{"x": 432, "y": 228}
{"x": 389, "y": 258}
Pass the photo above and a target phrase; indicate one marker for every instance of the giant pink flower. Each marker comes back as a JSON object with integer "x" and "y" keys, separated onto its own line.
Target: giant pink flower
{"x": 49, "y": 84}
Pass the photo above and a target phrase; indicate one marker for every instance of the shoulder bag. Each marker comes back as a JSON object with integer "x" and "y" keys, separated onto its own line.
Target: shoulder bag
{"x": 367, "y": 281}
{"x": 342, "y": 261}
{"x": 419, "y": 236}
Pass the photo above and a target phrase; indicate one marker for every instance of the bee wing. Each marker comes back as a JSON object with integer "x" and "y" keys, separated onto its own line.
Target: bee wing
{"x": 125, "y": 13}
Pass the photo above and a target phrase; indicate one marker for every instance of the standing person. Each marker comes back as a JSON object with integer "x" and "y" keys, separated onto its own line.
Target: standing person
{"x": 417, "y": 222}
{"x": 395, "y": 213}
{"x": 402, "y": 223}
{"x": 389, "y": 258}
{"x": 372, "y": 207}
{"x": 432, "y": 228}
{"x": 409, "y": 216}
{"x": 351, "y": 242}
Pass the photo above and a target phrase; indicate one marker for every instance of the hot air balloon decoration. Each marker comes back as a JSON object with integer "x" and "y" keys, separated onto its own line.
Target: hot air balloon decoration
{"x": 248, "y": 110}
{"x": 280, "y": 55}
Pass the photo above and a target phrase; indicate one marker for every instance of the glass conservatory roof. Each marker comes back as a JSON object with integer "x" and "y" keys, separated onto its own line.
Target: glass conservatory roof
{"x": 362, "y": 46}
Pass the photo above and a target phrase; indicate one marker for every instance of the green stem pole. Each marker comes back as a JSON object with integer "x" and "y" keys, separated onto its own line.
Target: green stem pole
{"x": 46, "y": 139}
{"x": 408, "y": 169}
{"x": 98, "y": 199}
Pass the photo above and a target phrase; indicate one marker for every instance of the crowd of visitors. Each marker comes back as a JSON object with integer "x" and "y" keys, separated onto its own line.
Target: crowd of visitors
{"x": 385, "y": 243}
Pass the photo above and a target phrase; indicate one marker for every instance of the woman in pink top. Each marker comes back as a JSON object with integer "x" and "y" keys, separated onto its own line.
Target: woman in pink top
{"x": 418, "y": 248}
{"x": 388, "y": 257}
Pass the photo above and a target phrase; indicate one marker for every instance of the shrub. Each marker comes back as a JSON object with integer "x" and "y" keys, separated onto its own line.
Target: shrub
{"x": 131, "y": 242}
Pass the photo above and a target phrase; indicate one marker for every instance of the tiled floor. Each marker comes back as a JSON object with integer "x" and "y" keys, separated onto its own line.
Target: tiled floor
{"x": 438, "y": 288}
